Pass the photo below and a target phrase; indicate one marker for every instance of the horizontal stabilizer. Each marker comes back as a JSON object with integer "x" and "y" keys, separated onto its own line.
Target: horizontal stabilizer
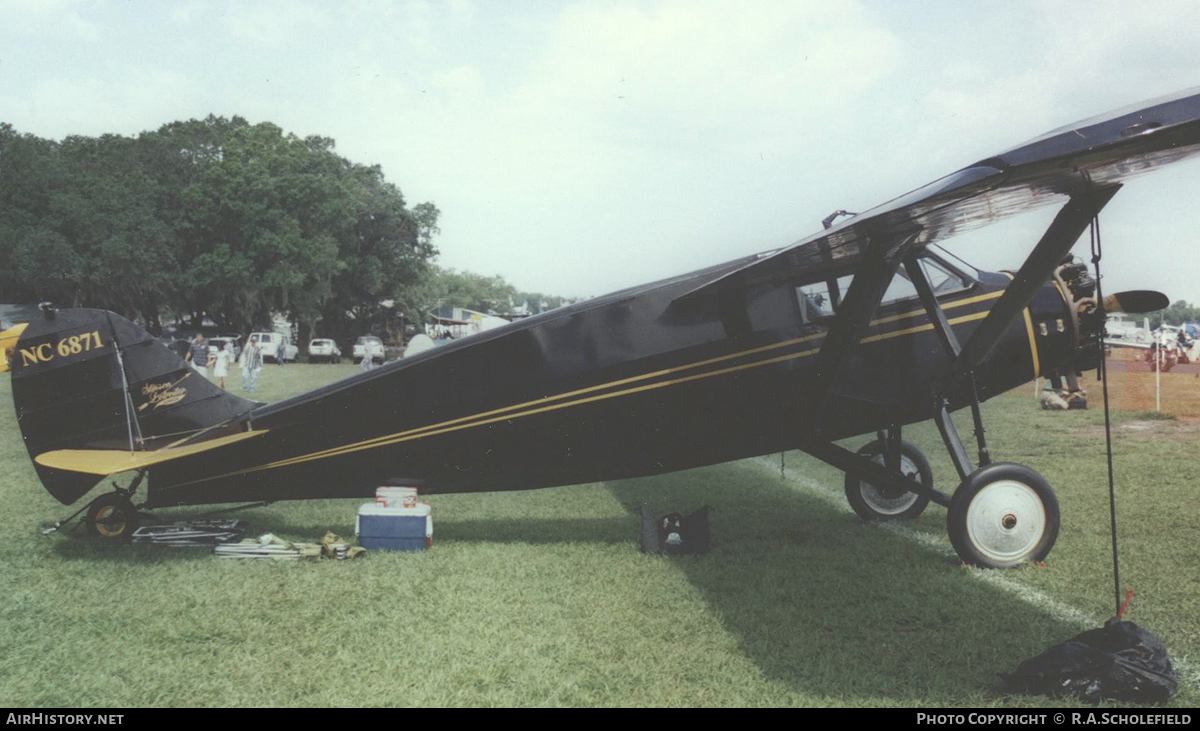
{"x": 112, "y": 461}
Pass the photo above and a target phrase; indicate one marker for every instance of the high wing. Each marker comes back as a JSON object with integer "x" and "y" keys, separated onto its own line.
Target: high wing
{"x": 1093, "y": 154}
{"x": 1083, "y": 164}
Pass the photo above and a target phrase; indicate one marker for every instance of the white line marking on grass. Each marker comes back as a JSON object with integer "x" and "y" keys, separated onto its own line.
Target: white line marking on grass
{"x": 1186, "y": 672}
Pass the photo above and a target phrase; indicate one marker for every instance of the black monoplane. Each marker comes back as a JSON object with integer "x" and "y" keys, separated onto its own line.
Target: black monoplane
{"x": 861, "y": 328}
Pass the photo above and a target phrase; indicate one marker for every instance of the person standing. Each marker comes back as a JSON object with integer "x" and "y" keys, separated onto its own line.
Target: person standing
{"x": 221, "y": 363}
{"x": 251, "y": 363}
{"x": 197, "y": 355}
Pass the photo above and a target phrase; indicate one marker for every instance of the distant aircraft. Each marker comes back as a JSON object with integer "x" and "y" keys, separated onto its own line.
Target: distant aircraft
{"x": 861, "y": 328}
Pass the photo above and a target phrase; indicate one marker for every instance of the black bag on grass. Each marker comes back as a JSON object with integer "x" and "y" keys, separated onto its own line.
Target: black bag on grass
{"x": 674, "y": 534}
{"x": 1119, "y": 662}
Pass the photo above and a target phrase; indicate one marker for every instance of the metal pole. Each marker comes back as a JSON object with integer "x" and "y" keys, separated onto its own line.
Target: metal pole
{"x": 1158, "y": 375}
{"x": 128, "y": 402}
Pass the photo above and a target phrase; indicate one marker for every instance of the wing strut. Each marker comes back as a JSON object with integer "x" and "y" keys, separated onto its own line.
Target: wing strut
{"x": 879, "y": 265}
{"x": 941, "y": 326}
{"x": 916, "y": 275}
{"x": 1055, "y": 244}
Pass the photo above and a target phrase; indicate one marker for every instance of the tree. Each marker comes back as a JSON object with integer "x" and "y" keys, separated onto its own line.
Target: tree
{"x": 1178, "y": 313}
{"x": 209, "y": 218}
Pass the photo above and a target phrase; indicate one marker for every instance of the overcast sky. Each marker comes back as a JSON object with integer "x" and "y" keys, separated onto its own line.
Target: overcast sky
{"x": 576, "y": 148}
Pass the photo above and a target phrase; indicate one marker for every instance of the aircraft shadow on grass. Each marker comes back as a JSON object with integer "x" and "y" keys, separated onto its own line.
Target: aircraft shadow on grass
{"x": 818, "y": 599}
{"x": 828, "y": 604}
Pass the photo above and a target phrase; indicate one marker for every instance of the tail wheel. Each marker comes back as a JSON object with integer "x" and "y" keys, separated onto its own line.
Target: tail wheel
{"x": 112, "y": 518}
{"x": 873, "y": 503}
{"x": 1002, "y": 515}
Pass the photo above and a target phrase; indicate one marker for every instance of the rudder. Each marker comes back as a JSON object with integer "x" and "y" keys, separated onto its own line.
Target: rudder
{"x": 71, "y": 371}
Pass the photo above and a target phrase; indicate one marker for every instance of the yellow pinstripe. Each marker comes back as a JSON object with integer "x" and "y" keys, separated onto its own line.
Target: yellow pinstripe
{"x": 547, "y": 404}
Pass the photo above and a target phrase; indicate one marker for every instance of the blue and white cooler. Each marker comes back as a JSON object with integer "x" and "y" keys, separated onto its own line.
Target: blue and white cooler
{"x": 394, "y": 528}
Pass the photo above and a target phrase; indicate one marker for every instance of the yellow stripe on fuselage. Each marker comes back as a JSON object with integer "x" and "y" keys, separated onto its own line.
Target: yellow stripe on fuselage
{"x": 548, "y": 403}
{"x": 947, "y": 306}
{"x": 1033, "y": 348}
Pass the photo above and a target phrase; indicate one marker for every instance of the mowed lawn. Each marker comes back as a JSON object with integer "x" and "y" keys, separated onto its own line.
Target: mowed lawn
{"x": 542, "y": 598}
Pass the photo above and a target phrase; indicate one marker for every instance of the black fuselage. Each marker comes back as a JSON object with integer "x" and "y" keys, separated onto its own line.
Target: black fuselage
{"x": 630, "y": 384}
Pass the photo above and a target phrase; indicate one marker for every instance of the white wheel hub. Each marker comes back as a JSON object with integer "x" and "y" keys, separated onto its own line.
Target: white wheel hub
{"x": 880, "y": 501}
{"x": 1006, "y": 521}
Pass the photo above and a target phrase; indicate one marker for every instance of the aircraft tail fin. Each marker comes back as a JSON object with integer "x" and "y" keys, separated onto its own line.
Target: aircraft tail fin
{"x": 85, "y": 379}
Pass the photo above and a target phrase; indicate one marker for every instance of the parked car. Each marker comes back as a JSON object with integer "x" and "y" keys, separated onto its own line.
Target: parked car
{"x": 368, "y": 346}
{"x": 217, "y": 343}
{"x": 276, "y": 347}
{"x": 324, "y": 349}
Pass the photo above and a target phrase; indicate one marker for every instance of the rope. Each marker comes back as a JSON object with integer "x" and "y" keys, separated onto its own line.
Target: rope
{"x": 1097, "y": 251}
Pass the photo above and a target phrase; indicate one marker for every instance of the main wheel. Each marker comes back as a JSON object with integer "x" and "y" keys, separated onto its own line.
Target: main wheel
{"x": 1002, "y": 515}
{"x": 873, "y": 503}
{"x": 112, "y": 517}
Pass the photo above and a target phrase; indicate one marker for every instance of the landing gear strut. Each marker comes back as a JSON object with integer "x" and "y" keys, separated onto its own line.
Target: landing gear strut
{"x": 1001, "y": 515}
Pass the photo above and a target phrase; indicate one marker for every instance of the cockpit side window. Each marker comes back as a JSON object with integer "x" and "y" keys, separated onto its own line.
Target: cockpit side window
{"x": 942, "y": 280}
{"x": 819, "y": 300}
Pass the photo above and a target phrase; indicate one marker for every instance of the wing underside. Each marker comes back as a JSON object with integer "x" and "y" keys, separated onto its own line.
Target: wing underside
{"x": 1080, "y": 165}
{"x": 1069, "y": 162}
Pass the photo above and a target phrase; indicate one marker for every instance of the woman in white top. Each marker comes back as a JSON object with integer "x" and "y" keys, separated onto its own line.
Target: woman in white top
{"x": 221, "y": 363}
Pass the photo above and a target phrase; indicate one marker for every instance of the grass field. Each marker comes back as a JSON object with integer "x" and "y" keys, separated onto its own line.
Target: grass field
{"x": 542, "y": 598}
{"x": 1179, "y": 392}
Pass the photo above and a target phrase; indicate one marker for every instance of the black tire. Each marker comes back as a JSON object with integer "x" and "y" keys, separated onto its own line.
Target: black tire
{"x": 112, "y": 518}
{"x": 1002, "y": 515}
{"x": 871, "y": 503}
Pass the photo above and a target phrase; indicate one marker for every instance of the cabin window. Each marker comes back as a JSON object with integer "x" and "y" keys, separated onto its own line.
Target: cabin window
{"x": 819, "y": 300}
{"x": 942, "y": 280}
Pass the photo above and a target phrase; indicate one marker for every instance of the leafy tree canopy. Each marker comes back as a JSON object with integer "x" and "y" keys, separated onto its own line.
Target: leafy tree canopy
{"x": 1178, "y": 313}
{"x": 212, "y": 217}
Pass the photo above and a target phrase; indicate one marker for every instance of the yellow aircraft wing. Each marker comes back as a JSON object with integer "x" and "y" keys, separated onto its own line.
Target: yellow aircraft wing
{"x": 112, "y": 461}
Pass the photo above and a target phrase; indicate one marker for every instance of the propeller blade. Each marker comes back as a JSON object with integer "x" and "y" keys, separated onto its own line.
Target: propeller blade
{"x": 1136, "y": 301}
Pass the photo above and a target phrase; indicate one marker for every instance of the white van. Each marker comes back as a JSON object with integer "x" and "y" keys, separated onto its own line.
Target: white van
{"x": 276, "y": 347}
{"x": 369, "y": 346}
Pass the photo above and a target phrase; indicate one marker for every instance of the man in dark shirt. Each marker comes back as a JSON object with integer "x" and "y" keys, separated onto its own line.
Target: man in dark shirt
{"x": 198, "y": 355}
